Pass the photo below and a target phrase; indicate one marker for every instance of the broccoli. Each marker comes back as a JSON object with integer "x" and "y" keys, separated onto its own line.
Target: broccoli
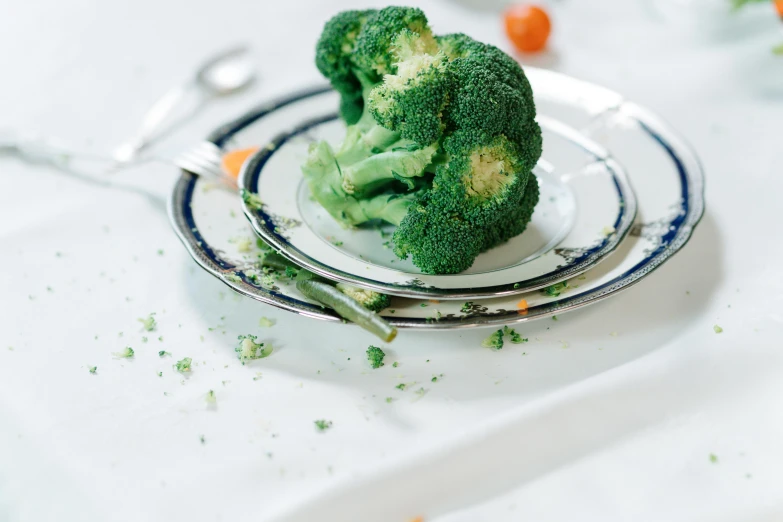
{"x": 322, "y": 425}
{"x": 248, "y": 349}
{"x": 183, "y": 365}
{"x": 127, "y": 353}
{"x": 441, "y": 137}
{"x": 370, "y": 299}
{"x": 148, "y": 323}
{"x": 266, "y": 322}
{"x": 515, "y": 337}
{"x": 375, "y": 355}
{"x": 163, "y": 353}
{"x": 210, "y": 397}
{"x": 92, "y": 369}
{"x": 494, "y": 341}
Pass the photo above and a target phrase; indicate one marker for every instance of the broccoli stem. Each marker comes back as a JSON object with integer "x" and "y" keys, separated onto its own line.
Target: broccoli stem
{"x": 321, "y": 291}
{"x": 346, "y": 307}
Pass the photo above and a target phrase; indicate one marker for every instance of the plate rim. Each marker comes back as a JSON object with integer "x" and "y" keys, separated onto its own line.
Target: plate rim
{"x": 694, "y": 185}
{"x": 264, "y": 226}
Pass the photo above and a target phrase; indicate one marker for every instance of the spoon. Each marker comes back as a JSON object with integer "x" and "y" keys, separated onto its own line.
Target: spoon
{"x": 226, "y": 73}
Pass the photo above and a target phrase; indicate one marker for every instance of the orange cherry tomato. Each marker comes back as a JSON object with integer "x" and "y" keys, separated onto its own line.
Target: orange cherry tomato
{"x": 528, "y": 27}
{"x": 779, "y": 7}
{"x": 232, "y": 161}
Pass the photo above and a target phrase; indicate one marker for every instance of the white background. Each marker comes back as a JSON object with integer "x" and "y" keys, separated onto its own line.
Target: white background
{"x": 579, "y": 424}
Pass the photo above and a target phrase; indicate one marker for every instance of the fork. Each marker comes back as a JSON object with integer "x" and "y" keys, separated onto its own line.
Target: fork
{"x": 204, "y": 160}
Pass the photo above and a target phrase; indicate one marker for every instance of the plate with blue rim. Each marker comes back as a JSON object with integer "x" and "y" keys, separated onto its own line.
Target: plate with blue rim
{"x": 586, "y": 208}
{"x": 665, "y": 172}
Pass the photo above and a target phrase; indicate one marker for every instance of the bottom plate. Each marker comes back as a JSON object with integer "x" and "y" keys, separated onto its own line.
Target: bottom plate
{"x": 665, "y": 172}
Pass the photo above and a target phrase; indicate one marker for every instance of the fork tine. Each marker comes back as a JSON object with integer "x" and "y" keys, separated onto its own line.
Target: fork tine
{"x": 203, "y": 159}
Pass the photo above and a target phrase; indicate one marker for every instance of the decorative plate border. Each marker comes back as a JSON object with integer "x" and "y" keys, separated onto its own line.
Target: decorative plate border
{"x": 671, "y": 238}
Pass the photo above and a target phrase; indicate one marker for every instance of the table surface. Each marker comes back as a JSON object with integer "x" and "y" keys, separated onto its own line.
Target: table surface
{"x": 634, "y": 409}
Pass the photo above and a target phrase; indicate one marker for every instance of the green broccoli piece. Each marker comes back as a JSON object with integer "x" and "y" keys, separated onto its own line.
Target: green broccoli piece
{"x": 515, "y": 337}
{"x": 555, "y": 289}
{"x": 494, "y": 341}
{"x": 322, "y": 425}
{"x": 369, "y": 299}
{"x": 266, "y": 322}
{"x": 248, "y": 349}
{"x": 443, "y": 146}
{"x": 375, "y": 355}
{"x": 183, "y": 365}
{"x": 127, "y": 353}
{"x": 210, "y": 398}
{"x": 148, "y": 323}
{"x": 163, "y": 353}
{"x": 92, "y": 369}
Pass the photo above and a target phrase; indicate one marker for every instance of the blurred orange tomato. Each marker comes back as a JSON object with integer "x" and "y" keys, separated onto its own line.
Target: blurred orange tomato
{"x": 528, "y": 27}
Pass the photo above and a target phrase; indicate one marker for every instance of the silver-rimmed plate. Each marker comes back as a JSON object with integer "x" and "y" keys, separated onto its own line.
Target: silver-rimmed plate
{"x": 585, "y": 210}
{"x": 666, "y": 175}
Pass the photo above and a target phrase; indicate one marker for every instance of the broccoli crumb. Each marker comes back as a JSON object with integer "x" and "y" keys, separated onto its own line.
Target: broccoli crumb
{"x": 395, "y": 364}
{"x": 148, "y": 323}
{"x": 201, "y": 439}
{"x": 713, "y": 458}
{"x": 389, "y": 399}
{"x": 554, "y": 318}
{"x": 423, "y": 305}
{"x": 160, "y": 252}
{"x": 163, "y": 353}
{"x": 494, "y": 341}
{"x": 322, "y": 425}
{"x": 375, "y": 356}
{"x": 160, "y": 374}
{"x": 717, "y": 329}
{"x": 127, "y": 353}
{"x": 253, "y": 201}
{"x": 183, "y": 365}
{"x": 266, "y": 322}
{"x": 421, "y": 392}
{"x": 555, "y": 289}
{"x": 515, "y": 337}
{"x": 248, "y": 349}
{"x": 436, "y": 378}
{"x": 210, "y": 397}
{"x": 244, "y": 245}
{"x": 401, "y": 386}
{"x": 144, "y": 339}
{"x": 92, "y": 369}
{"x": 467, "y": 307}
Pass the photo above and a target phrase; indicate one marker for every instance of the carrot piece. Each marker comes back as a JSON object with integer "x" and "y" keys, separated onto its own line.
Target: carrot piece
{"x": 232, "y": 161}
{"x": 522, "y": 306}
{"x": 779, "y": 7}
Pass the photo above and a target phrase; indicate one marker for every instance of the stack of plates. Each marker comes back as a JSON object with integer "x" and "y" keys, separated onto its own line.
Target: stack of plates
{"x": 620, "y": 194}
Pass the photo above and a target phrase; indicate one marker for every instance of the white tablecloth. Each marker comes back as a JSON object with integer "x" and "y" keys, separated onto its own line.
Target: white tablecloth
{"x": 666, "y": 420}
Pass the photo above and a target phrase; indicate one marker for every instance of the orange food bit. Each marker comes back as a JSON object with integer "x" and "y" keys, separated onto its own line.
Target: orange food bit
{"x": 232, "y": 161}
{"x": 528, "y": 27}
{"x": 522, "y": 306}
{"x": 417, "y": 519}
{"x": 779, "y": 7}
{"x": 434, "y": 301}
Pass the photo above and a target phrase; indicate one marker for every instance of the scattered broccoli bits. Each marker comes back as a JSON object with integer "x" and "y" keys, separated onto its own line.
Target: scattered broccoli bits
{"x": 515, "y": 337}
{"x": 183, "y": 365}
{"x": 441, "y": 137}
{"x": 322, "y": 425}
{"x": 375, "y": 355}
{"x": 210, "y": 397}
{"x": 163, "y": 353}
{"x": 127, "y": 353}
{"x": 717, "y": 329}
{"x": 248, "y": 349}
{"x": 494, "y": 341}
{"x": 252, "y": 200}
{"x": 148, "y": 323}
{"x": 555, "y": 289}
{"x": 92, "y": 369}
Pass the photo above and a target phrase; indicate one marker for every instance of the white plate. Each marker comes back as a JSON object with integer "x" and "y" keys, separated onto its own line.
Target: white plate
{"x": 666, "y": 174}
{"x": 586, "y": 208}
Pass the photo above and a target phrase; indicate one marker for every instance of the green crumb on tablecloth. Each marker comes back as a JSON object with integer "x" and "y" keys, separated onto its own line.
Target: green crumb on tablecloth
{"x": 183, "y": 365}
{"x": 160, "y": 374}
{"x": 92, "y": 369}
{"x": 148, "y": 323}
{"x": 210, "y": 398}
{"x": 266, "y": 322}
{"x": 713, "y": 458}
{"x": 401, "y": 386}
{"x": 395, "y": 364}
{"x": 163, "y": 353}
{"x": 322, "y": 425}
{"x": 144, "y": 339}
{"x": 201, "y": 439}
{"x": 436, "y": 378}
{"x": 423, "y": 305}
{"x": 717, "y": 329}
{"x": 248, "y": 349}
{"x": 554, "y": 318}
{"x": 421, "y": 392}
{"x": 515, "y": 337}
{"x": 127, "y": 353}
{"x": 160, "y": 252}
{"x": 389, "y": 399}
{"x": 494, "y": 341}
{"x": 160, "y": 338}
{"x": 375, "y": 356}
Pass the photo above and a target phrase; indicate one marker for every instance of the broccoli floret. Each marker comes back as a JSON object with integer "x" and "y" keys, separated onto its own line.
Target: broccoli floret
{"x": 148, "y": 323}
{"x": 92, "y": 369}
{"x": 494, "y": 341}
{"x": 369, "y": 299}
{"x": 183, "y": 365}
{"x": 515, "y": 337}
{"x": 444, "y": 144}
{"x": 248, "y": 349}
{"x": 375, "y": 355}
{"x": 322, "y": 425}
{"x": 127, "y": 353}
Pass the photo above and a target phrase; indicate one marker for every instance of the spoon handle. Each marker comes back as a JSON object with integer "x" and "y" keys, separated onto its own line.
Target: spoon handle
{"x": 153, "y": 123}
